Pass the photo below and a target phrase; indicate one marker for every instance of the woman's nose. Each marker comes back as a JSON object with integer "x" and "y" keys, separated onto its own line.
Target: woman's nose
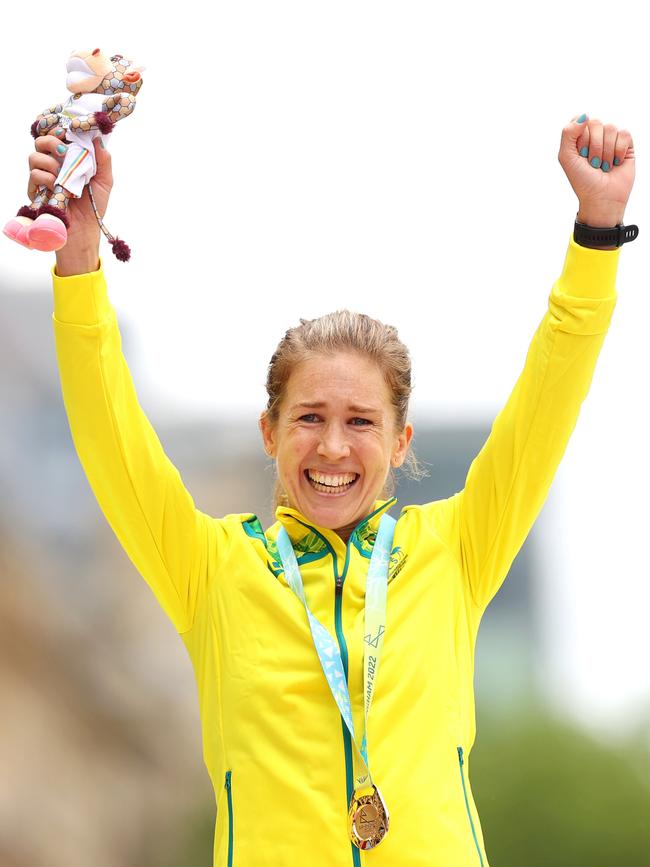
{"x": 333, "y": 444}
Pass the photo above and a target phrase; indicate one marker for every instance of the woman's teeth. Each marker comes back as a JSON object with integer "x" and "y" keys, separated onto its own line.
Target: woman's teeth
{"x": 331, "y": 483}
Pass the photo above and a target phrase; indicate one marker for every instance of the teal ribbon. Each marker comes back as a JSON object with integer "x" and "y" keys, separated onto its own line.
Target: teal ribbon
{"x": 374, "y": 631}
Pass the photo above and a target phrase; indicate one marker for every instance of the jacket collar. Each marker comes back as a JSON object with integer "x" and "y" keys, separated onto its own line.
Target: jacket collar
{"x": 299, "y": 527}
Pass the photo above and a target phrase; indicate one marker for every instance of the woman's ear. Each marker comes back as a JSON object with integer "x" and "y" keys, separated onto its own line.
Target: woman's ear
{"x": 402, "y": 447}
{"x": 268, "y": 434}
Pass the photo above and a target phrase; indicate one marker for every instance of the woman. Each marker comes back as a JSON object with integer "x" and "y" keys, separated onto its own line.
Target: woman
{"x": 336, "y": 613}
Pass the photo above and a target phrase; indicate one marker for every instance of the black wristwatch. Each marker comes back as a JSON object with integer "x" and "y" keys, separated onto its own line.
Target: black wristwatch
{"x": 591, "y": 236}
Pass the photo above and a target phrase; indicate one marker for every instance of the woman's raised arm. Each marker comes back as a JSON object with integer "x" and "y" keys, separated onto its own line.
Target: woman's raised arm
{"x": 137, "y": 487}
{"x": 507, "y": 483}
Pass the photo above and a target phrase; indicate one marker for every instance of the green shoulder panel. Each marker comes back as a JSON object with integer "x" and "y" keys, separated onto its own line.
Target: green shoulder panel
{"x": 310, "y": 547}
{"x": 364, "y": 539}
{"x": 253, "y": 528}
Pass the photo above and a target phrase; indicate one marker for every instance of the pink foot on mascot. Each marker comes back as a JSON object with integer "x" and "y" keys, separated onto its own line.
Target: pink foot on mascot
{"x": 49, "y": 231}
{"x": 17, "y": 228}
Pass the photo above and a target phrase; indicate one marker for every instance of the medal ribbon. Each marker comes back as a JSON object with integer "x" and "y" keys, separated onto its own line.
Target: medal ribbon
{"x": 374, "y": 631}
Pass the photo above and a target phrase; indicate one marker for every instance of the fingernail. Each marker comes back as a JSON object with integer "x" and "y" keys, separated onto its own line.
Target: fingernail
{"x": 617, "y": 162}
{"x": 61, "y": 148}
{"x": 59, "y": 130}
{"x": 101, "y": 144}
{"x": 582, "y": 118}
{"x": 605, "y": 166}
{"x": 595, "y": 162}
{"x": 584, "y": 151}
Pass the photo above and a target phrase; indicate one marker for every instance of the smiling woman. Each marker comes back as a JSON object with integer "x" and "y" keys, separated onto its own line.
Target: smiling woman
{"x": 336, "y": 419}
{"x": 286, "y": 627}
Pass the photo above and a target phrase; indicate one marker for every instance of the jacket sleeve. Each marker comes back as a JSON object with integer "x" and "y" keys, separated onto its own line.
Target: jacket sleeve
{"x": 139, "y": 490}
{"x": 507, "y": 483}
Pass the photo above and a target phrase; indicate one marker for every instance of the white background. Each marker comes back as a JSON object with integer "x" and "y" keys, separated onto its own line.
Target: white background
{"x": 289, "y": 158}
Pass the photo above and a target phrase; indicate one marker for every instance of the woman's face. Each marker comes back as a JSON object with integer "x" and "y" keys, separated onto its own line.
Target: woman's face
{"x": 335, "y": 439}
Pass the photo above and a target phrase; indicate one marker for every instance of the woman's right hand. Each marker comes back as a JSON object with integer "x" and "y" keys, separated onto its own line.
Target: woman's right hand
{"x": 81, "y": 252}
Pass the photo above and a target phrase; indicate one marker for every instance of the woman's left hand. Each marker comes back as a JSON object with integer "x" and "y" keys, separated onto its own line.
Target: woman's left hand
{"x": 598, "y": 160}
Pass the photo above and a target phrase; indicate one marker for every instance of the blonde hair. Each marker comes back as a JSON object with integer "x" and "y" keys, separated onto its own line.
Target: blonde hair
{"x": 337, "y": 332}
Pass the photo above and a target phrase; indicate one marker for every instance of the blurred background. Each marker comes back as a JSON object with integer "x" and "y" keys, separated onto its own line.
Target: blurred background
{"x": 399, "y": 159}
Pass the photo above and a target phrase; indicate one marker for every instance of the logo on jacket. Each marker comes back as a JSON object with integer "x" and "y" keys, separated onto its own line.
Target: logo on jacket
{"x": 398, "y": 559}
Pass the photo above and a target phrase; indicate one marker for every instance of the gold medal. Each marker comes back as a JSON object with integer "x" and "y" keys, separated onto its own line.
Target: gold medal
{"x": 368, "y": 819}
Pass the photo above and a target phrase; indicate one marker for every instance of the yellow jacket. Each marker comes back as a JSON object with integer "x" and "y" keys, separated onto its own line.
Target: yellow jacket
{"x": 276, "y": 748}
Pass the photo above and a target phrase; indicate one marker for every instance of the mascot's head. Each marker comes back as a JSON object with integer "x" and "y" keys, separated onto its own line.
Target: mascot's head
{"x": 93, "y": 72}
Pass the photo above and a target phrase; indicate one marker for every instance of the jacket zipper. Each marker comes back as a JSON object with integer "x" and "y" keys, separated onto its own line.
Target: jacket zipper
{"x": 343, "y": 648}
{"x": 228, "y": 787}
{"x": 461, "y": 764}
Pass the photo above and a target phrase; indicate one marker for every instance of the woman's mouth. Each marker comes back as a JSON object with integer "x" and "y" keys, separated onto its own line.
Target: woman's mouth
{"x": 331, "y": 483}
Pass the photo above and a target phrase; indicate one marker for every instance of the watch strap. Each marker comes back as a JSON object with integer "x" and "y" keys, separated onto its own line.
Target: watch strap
{"x": 596, "y": 237}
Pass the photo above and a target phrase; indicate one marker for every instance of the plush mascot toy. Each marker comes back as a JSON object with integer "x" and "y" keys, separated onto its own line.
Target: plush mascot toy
{"x": 103, "y": 91}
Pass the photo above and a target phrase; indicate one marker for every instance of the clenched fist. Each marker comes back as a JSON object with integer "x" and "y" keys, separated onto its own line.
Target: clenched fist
{"x": 81, "y": 252}
{"x": 598, "y": 160}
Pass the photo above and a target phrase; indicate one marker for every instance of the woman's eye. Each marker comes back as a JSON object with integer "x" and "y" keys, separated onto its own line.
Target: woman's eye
{"x": 310, "y": 417}
{"x": 361, "y": 422}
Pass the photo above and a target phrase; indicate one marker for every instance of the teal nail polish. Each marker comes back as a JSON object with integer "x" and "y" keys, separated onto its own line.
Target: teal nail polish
{"x": 595, "y": 162}
{"x": 617, "y": 162}
{"x": 582, "y": 118}
{"x": 584, "y": 151}
{"x": 101, "y": 144}
{"x": 605, "y": 166}
{"x": 59, "y": 130}
{"x": 61, "y": 149}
